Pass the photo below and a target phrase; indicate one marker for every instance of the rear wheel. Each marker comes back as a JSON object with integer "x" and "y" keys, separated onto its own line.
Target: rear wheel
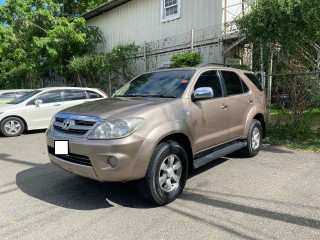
{"x": 254, "y": 140}
{"x": 166, "y": 175}
{"x": 12, "y": 126}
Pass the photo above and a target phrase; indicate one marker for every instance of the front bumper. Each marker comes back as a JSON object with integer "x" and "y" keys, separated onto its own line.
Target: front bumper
{"x": 89, "y": 158}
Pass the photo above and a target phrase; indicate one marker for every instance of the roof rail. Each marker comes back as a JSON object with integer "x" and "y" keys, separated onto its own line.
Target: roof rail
{"x": 221, "y": 64}
{"x": 162, "y": 68}
{"x": 212, "y": 64}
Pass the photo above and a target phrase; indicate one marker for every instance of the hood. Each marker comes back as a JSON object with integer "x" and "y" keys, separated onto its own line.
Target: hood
{"x": 115, "y": 107}
{"x": 5, "y": 106}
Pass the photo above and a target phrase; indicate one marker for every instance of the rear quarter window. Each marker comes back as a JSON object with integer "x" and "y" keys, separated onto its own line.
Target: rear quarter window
{"x": 92, "y": 95}
{"x": 254, "y": 79}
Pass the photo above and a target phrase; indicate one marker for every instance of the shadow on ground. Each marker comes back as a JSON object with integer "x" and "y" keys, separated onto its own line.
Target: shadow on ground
{"x": 50, "y": 184}
{"x": 53, "y": 185}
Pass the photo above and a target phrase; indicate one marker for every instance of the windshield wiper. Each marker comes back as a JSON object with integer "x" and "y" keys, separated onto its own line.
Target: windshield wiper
{"x": 161, "y": 96}
{"x": 131, "y": 95}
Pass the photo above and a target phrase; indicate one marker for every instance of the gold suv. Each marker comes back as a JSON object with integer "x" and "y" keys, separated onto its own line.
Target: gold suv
{"x": 160, "y": 126}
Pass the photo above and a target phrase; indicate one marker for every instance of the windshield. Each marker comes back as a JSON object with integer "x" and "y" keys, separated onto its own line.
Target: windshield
{"x": 24, "y": 97}
{"x": 165, "y": 84}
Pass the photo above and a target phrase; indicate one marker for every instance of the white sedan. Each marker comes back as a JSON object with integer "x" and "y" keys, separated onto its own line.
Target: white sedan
{"x": 35, "y": 109}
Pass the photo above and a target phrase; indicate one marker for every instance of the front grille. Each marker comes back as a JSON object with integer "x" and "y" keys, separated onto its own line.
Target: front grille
{"x": 84, "y": 123}
{"x": 71, "y": 131}
{"x": 81, "y": 125}
{"x": 74, "y": 158}
{"x": 59, "y": 120}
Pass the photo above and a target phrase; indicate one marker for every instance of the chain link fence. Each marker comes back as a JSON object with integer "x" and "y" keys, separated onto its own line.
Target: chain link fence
{"x": 207, "y": 41}
{"x": 295, "y": 105}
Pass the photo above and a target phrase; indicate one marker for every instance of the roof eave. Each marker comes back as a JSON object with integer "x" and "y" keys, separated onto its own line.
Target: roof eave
{"x": 103, "y": 8}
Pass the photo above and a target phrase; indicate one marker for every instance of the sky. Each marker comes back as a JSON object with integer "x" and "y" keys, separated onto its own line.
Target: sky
{"x": 1, "y": 2}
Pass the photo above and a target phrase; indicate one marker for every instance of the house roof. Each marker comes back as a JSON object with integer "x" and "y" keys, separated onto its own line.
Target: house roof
{"x": 103, "y": 8}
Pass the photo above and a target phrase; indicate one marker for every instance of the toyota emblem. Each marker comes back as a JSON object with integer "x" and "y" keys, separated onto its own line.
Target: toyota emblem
{"x": 67, "y": 124}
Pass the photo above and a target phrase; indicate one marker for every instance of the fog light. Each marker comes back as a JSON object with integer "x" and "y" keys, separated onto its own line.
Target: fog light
{"x": 113, "y": 162}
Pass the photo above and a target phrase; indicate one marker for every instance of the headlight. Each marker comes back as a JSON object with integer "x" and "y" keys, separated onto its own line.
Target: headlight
{"x": 116, "y": 128}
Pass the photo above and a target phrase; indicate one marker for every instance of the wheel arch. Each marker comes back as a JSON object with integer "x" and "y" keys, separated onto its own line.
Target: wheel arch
{"x": 185, "y": 142}
{"x": 21, "y": 118}
{"x": 261, "y": 119}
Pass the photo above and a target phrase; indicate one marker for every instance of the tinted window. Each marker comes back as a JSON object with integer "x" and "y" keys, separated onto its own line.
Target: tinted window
{"x": 158, "y": 84}
{"x": 70, "y": 95}
{"x": 92, "y": 94}
{"x": 50, "y": 97}
{"x": 210, "y": 79}
{"x": 234, "y": 84}
{"x": 7, "y": 95}
{"x": 24, "y": 98}
{"x": 254, "y": 80}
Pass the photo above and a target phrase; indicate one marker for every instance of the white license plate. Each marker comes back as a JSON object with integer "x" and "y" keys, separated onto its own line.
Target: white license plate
{"x": 61, "y": 147}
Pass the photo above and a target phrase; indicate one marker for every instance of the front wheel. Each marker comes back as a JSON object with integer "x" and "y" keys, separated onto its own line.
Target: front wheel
{"x": 254, "y": 139}
{"x": 12, "y": 126}
{"x": 166, "y": 175}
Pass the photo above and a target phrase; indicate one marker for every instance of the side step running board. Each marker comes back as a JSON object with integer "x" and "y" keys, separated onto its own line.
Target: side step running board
{"x": 218, "y": 153}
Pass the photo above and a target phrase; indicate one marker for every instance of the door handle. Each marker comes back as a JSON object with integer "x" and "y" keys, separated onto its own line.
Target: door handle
{"x": 224, "y": 106}
{"x": 250, "y": 101}
{"x": 57, "y": 104}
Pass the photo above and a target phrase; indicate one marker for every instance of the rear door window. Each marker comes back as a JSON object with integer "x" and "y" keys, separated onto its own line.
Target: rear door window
{"x": 71, "y": 95}
{"x": 234, "y": 83}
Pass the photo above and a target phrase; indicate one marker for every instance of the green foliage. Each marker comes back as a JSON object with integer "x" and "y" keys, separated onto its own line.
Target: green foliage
{"x": 242, "y": 66}
{"x": 106, "y": 70}
{"x": 72, "y": 8}
{"x": 186, "y": 59}
{"x": 306, "y": 136}
{"x": 284, "y": 22}
{"x": 36, "y": 41}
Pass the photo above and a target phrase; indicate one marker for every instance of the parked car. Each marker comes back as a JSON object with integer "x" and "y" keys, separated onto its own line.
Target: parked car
{"x": 35, "y": 109}
{"x": 281, "y": 98}
{"x": 160, "y": 126}
{"x": 8, "y": 95}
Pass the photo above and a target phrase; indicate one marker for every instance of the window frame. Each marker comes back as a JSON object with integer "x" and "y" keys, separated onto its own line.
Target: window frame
{"x": 164, "y": 18}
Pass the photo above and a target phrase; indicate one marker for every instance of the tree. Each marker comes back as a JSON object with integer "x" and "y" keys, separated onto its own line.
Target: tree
{"x": 35, "y": 40}
{"x": 292, "y": 25}
{"x": 72, "y": 8}
{"x": 187, "y": 59}
{"x": 108, "y": 70}
{"x": 288, "y": 31}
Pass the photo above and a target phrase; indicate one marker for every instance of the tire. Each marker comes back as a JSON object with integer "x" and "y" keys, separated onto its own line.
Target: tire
{"x": 254, "y": 140}
{"x": 166, "y": 175}
{"x": 12, "y": 126}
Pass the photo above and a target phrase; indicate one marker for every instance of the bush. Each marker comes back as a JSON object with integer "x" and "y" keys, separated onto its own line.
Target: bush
{"x": 186, "y": 59}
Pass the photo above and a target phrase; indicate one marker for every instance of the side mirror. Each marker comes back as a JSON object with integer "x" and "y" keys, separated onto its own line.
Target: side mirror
{"x": 38, "y": 102}
{"x": 203, "y": 93}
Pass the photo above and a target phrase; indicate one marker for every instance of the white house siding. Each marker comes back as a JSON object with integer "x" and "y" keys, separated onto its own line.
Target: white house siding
{"x": 139, "y": 21}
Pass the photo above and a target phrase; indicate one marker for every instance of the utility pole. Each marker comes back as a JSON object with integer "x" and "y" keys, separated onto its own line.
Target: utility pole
{"x": 192, "y": 39}
{"x": 225, "y": 16}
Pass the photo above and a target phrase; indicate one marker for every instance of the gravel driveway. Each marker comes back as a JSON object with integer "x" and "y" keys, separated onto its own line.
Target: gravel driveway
{"x": 275, "y": 195}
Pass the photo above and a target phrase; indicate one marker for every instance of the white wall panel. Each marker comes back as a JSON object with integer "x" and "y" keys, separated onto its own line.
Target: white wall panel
{"x": 139, "y": 20}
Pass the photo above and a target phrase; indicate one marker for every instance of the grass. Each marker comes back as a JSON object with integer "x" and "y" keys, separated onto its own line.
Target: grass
{"x": 304, "y": 136}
